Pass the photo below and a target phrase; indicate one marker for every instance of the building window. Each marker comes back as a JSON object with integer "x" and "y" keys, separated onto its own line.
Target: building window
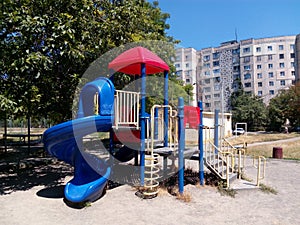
{"x": 206, "y": 73}
{"x": 292, "y": 64}
{"x": 258, "y": 58}
{"x": 246, "y": 50}
{"x": 282, "y": 73}
{"x": 258, "y": 66}
{"x": 259, "y": 93}
{"x": 281, "y": 65}
{"x": 216, "y": 71}
{"x": 236, "y": 68}
{"x": 271, "y": 83}
{"x": 187, "y": 65}
{"x": 207, "y": 81}
{"x": 247, "y": 67}
{"x": 246, "y": 59}
{"x": 292, "y": 55}
{"x": 259, "y": 84}
{"x": 207, "y": 97}
{"x": 216, "y": 95}
{"x": 271, "y": 92}
{"x": 271, "y": 74}
{"x": 206, "y": 89}
{"x": 207, "y": 105}
{"x": 282, "y": 83}
{"x": 206, "y": 65}
{"x": 258, "y": 49}
{"x": 236, "y": 51}
{"x": 281, "y": 56}
{"x": 280, "y": 47}
{"x": 206, "y": 58}
{"x": 216, "y": 63}
{"x": 259, "y": 75}
{"x": 217, "y": 87}
{"x": 270, "y": 65}
{"x": 177, "y": 57}
{"x": 270, "y": 48}
{"x": 236, "y": 76}
{"x": 177, "y": 65}
{"x": 216, "y": 55}
{"x": 293, "y": 73}
{"x": 292, "y": 47}
{"x": 179, "y": 72}
{"x": 186, "y": 57}
{"x": 270, "y": 57}
{"x": 187, "y": 81}
{"x": 247, "y": 85}
{"x": 247, "y": 76}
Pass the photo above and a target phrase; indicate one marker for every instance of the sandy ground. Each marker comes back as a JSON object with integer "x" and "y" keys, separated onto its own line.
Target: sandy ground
{"x": 40, "y": 203}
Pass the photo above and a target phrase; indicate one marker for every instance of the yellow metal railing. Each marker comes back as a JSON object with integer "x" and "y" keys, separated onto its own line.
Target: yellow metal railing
{"x": 261, "y": 172}
{"x": 172, "y": 126}
{"x": 239, "y": 154}
{"x": 221, "y": 162}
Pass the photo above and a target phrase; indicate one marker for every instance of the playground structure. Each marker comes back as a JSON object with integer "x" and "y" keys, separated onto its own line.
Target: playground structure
{"x": 146, "y": 137}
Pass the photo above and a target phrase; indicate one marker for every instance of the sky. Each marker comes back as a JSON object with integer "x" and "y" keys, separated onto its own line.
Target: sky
{"x": 208, "y": 23}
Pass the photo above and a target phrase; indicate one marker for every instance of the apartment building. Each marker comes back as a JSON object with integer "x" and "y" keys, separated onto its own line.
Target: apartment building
{"x": 186, "y": 65}
{"x": 262, "y": 66}
{"x": 267, "y": 65}
{"x": 297, "y": 58}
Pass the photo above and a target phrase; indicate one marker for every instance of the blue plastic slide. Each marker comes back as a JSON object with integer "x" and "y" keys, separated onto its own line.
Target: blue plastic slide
{"x": 64, "y": 141}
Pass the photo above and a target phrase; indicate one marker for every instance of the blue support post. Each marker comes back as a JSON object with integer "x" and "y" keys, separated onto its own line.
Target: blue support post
{"x": 111, "y": 148}
{"x": 166, "y": 102}
{"x": 200, "y": 145}
{"x": 181, "y": 144}
{"x": 143, "y": 122}
{"x": 216, "y": 133}
{"x": 156, "y": 123}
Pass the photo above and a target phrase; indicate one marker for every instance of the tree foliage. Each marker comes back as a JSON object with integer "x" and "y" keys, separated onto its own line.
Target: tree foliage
{"x": 46, "y": 45}
{"x": 248, "y": 109}
{"x": 286, "y": 105}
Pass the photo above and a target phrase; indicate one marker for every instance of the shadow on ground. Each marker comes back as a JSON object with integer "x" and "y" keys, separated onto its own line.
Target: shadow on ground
{"x": 20, "y": 171}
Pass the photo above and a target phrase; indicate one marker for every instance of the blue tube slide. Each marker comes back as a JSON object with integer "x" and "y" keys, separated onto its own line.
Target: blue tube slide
{"x": 64, "y": 141}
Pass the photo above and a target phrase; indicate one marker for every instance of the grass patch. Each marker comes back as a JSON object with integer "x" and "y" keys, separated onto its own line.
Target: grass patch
{"x": 261, "y": 137}
{"x": 186, "y": 196}
{"x": 224, "y": 191}
{"x": 267, "y": 189}
{"x": 290, "y": 149}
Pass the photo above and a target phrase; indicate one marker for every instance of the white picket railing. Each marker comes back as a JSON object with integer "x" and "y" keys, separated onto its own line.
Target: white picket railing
{"x": 127, "y": 109}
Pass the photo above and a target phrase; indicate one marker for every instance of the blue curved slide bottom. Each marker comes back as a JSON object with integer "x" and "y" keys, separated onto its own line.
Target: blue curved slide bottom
{"x": 90, "y": 173}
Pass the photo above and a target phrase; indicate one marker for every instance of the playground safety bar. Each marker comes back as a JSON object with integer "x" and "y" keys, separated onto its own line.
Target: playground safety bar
{"x": 239, "y": 153}
{"x": 260, "y": 161}
{"x": 126, "y": 109}
{"x": 172, "y": 126}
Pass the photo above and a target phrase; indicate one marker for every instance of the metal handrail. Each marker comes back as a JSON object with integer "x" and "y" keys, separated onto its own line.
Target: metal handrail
{"x": 260, "y": 177}
{"x": 240, "y": 154}
{"x": 173, "y": 141}
{"x": 218, "y": 161}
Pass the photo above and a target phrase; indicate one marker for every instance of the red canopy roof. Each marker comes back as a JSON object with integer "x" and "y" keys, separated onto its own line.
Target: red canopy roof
{"x": 130, "y": 61}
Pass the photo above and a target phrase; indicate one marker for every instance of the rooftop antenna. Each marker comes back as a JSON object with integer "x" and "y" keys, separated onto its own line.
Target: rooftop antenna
{"x": 235, "y": 32}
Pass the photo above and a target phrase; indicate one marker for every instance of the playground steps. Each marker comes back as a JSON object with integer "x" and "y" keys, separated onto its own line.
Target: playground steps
{"x": 218, "y": 166}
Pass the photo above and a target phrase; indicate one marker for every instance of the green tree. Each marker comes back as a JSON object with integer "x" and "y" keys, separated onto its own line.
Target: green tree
{"x": 46, "y": 45}
{"x": 286, "y": 105}
{"x": 248, "y": 109}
